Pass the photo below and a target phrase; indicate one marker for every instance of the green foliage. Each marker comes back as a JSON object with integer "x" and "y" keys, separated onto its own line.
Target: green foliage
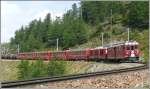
{"x": 24, "y": 70}
{"x": 100, "y": 11}
{"x": 134, "y": 14}
{"x": 56, "y": 68}
{"x": 38, "y": 69}
{"x": 138, "y": 14}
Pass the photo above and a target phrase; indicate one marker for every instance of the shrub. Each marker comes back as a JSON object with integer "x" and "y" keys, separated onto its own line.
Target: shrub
{"x": 24, "y": 70}
{"x": 56, "y": 68}
{"x": 38, "y": 69}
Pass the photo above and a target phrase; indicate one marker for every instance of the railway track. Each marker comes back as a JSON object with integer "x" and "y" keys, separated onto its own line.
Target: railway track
{"x": 69, "y": 77}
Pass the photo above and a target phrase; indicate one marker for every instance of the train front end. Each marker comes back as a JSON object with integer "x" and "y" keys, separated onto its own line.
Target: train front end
{"x": 132, "y": 52}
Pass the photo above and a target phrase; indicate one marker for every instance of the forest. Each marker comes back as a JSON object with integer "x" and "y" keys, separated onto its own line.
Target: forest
{"x": 80, "y": 25}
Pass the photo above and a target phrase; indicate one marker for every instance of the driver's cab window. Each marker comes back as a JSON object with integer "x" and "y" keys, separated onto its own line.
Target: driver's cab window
{"x": 132, "y": 47}
{"x": 128, "y": 47}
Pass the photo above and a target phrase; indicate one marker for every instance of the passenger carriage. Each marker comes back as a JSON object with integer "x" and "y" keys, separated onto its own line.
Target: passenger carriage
{"x": 78, "y": 54}
{"x": 59, "y": 55}
{"x": 98, "y": 53}
{"x": 46, "y": 55}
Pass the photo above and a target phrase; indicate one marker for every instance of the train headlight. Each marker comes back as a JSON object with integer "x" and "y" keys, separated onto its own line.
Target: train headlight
{"x": 106, "y": 51}
{"x": 136, "y": 43}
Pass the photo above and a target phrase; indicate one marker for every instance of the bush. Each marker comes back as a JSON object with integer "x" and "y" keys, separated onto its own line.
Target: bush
{"x": 56, "y": 68}
{"x": 24, "y": 70}
{"x": 40, "y": 69}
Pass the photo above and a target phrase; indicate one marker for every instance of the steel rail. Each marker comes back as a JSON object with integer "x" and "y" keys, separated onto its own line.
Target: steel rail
{"x": 67, "y": 77}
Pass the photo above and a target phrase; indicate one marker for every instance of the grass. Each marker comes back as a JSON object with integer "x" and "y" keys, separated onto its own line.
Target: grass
{"x": 8, "y": 70}
{"x": 75, "y": 67}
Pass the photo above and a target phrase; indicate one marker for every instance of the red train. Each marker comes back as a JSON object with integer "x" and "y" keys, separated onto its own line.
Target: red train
{"x": 120, "y": 51}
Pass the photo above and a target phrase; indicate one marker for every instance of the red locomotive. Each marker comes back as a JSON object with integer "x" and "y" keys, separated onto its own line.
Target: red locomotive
{"x": 120, "y": 51}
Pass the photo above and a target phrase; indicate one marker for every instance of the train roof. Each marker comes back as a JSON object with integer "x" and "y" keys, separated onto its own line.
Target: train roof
{"x": 131, "y": 43}
{"x": 100, "y": 47}
{"x": 79, "y": 49}
{"x": 121, "y": 43}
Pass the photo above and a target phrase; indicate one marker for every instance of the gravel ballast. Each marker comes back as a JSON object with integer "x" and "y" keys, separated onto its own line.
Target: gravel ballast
{"x": 122, "y": 80}
{"x": 132, "y": 79}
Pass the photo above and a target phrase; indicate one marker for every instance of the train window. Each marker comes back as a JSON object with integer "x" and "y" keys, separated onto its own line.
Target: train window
{"x": 101, "y": 53}
{"x": 123, "y": 47}
{"x": 118, "y": 48}
{"x": 132, "y": 47}
{"x": 128, "y": 47}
